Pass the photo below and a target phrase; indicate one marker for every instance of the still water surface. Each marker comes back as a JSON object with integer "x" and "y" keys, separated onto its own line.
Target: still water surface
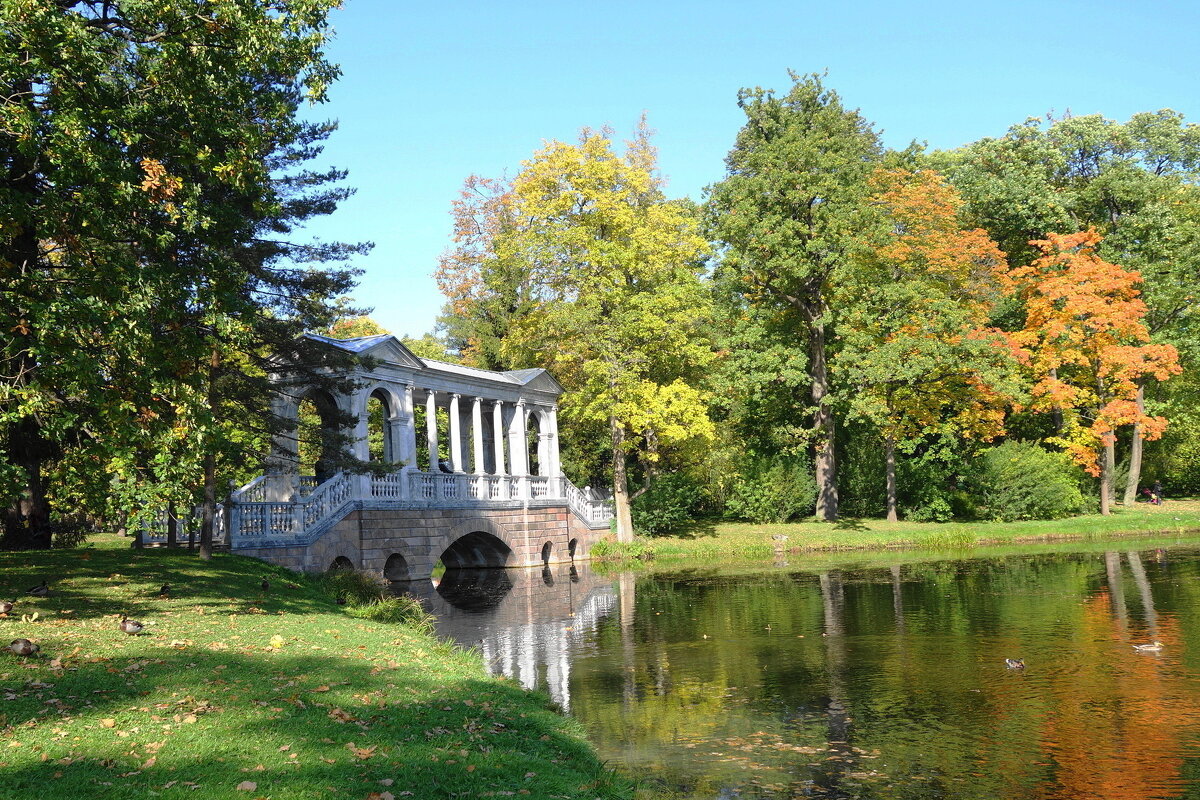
{"x": 866, "y": 680}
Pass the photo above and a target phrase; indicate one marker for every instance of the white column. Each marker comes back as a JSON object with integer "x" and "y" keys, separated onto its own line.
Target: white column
{"x": 498, "y": 434}
{"x": 477, "y": 434}
{"x": 361, "y": 448}
{"x": 456, "y": 459}
{"x": 431, "y": 429}
{"x": 407, "y": 451}
{"x": 555, "y": 460}
{"x": 545, "y": 466}
{"x": 518, "y": 450}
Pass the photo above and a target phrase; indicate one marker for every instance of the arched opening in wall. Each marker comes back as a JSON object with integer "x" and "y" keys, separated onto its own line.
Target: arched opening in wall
{"x": 571, "y": 547}
{"x": 476, "y": 550}
{"x": 395, "y": 569}
{"x": 533, "y": 439}
{"x": 318, "y": 438}
{"x": 379, "y": 411}
{"x": 547, "y": 549}
{"x": 341, "y": 562}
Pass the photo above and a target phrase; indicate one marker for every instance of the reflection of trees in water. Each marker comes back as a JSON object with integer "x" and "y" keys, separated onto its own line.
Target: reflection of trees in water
{"x": 1143, "y": 585}
{"x": 684, "y": 679}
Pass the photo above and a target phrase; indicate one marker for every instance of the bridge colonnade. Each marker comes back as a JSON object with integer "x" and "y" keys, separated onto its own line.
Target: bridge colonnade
{"x": 488, "y": 494}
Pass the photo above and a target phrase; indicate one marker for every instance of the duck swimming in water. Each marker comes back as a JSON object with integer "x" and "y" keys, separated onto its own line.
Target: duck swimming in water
{"x": 1153, "y": 647}
{"x": 1014, "y": 663}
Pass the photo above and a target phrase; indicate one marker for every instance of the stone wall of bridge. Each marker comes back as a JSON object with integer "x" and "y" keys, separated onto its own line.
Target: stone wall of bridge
{"x": 371, "y": 539}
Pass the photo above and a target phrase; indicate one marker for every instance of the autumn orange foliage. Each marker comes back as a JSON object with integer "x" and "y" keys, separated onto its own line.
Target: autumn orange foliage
{"x": 1086, "y": 342}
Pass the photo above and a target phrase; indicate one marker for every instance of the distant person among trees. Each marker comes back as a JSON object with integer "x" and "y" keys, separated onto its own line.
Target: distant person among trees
{"x": 1156, "y": 493}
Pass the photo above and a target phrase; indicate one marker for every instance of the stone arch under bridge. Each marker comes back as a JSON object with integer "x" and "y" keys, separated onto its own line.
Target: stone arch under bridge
{"x": 470, "y": 473}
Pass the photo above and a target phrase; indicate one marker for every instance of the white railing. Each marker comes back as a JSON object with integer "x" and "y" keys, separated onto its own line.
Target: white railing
{"x": 388, "y": 487}
{"x": 154, "y": 531}
{"x": 258, "y": 519}
{"x": 253, "y": 492}
{"x": 327, "y": 499}
{"x": 589, "y": 510}
{"x": 266, "y": 519}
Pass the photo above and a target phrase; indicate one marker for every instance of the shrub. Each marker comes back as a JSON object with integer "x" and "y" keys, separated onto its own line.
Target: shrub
{"x": 773, "y": 490}
{"x": 1020, "y": 480}
{"x": 611, "y": 549}
{"x": 356, "y": 588}
{"x": 402, "y": 609}
{"x": 936, "y": 509}
{"x": 667, "y": 505}
{"x": 862, "y": 476}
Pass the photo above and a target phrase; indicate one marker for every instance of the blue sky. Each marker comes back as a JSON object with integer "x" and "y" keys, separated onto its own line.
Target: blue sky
{"x": 433, "y": 92}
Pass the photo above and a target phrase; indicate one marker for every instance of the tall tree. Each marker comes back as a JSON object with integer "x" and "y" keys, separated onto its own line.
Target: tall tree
{"x": 1086, "y": 342}
{"x": 149, "y": 263}
{"x": 788, "y": 216}
{"x": 488, "y": 291}
{"x": 917, "y": 357}
{"x": 1134, "y": 182}
{"x": 617, "y": 309}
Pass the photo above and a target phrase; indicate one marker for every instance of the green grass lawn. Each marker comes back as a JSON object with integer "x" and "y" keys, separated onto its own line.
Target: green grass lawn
{"x": 233, "y": 692}
{"x": 756, "y": 541}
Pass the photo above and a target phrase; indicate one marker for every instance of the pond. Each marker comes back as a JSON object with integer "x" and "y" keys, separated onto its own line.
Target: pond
{"x": 866, "y": 678}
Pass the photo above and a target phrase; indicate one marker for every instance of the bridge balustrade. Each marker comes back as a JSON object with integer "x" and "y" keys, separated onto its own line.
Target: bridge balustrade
{"x": 250, "y": 516}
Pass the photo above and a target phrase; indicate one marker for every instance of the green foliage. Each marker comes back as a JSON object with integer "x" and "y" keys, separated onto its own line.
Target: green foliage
{"x": 1020, "y": 480}
{"x": 669, "y": 504}
{"x": 356, "y": 588}
{"x": 789, "y": 215}
{"x": 929, "y": 482}
{"x": 396, "y": 609}
{"x": 862, "y": 472}
{"x": 609, "y": 549}
{"x": 773, "y": 490}
{"x": 364, "y": 599}
{"x": 171, "y": 183}
{"x": 614, "y": 304}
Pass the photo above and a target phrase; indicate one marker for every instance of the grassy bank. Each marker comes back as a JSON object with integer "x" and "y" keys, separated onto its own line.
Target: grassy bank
{"x": 236, "y": 692}
{"x": 726, "y": 540}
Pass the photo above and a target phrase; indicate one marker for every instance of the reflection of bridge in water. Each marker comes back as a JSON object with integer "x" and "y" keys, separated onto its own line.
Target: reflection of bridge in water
{"x": 525, "y": 622}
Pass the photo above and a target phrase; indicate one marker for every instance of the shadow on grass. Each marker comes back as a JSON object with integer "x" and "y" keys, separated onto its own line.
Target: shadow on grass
{"x": 849, "y": 524}
{"x": 700, "y": 529}
{"x": 233, "y": 684}
{"x": 303, "y": 726}
{"x": 88, "y": 583}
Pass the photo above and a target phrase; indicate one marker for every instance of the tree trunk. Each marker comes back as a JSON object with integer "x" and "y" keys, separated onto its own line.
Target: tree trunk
{"x": 209, "y": 513}
{"x": 172, "y": 527}
{"x": 824, "y": 457}
{"x": 1135, "y": 453}
{"x": 890, "y": 457}
{"x": 27, "y": 521}
{"x": 620, "y": 482}
{"x": 1105, "y": 457}
{"x": 1056, "y": 412}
